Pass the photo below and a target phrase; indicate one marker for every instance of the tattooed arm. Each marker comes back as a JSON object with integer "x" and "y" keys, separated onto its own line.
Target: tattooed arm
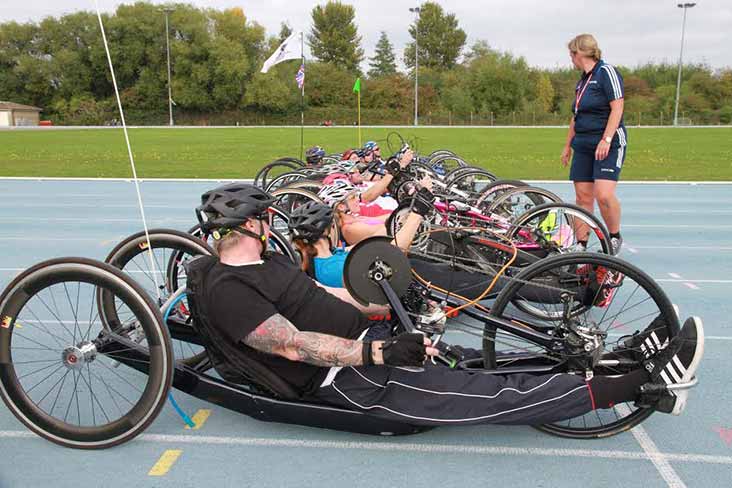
{"x": 279, "y": 336}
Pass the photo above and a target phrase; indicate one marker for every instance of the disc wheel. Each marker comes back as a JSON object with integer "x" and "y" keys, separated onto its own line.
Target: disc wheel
{"x": 580, "y": 291}
{"x": 54, "y": 378}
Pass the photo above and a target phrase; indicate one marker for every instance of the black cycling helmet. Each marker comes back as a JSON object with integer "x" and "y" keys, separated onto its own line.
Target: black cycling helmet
{"x": 229, "y": 206}
{"x": 314, "y": 155}
{"x": 310, "y": 221}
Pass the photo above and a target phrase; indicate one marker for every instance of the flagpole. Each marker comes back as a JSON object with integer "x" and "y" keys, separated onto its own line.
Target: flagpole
{"x": 359, "y": 118}
{"x": 302, "y": 101}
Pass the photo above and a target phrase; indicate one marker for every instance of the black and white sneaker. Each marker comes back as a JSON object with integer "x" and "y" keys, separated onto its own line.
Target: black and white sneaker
{"x": 677, "y": 364}
{"x": 644, "y": 345}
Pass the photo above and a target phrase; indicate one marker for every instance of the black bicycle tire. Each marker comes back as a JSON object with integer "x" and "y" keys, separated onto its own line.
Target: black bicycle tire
{"x": 54, "y": 271}
{"x": 504, "y": 298}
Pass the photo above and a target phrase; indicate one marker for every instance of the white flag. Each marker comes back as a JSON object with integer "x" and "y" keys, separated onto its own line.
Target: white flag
{"x": 290, "y": 49}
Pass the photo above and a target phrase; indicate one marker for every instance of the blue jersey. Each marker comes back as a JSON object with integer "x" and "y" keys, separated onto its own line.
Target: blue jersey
{"x": 329, "y": 271}
{"x": 595, "y": 90}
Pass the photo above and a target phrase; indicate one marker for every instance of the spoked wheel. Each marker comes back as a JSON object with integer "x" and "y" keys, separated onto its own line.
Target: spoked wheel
{"x": 274, "y": 169}
{"x": 443, "y": 164}
{"x": 469, "y": 181}
{"x": 170, "y": 249}
{"x": 283, "y": 180}
{"x": 556, "y": 228}
{"x": 517, "y": 201}
{"x": 490, "y": 192}
{"x": 57, "y": 374}
{"x": 588, "y": 301}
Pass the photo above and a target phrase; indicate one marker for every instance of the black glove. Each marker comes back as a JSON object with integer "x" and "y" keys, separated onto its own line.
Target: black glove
{"x": 423, "y": 202}
{"x": 393, "y": 167}
{"x": 404, "y": 350}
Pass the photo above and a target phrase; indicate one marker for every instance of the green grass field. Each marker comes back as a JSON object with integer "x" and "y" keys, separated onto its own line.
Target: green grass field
{"x": 653, "y": 154}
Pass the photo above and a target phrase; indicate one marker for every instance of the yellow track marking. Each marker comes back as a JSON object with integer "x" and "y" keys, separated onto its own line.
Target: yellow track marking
{"x": 166, "y": 461}
{"x": 199, "y": 418}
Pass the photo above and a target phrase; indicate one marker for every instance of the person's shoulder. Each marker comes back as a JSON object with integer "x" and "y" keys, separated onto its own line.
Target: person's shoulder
{"x": 277, "y": 259}
{"x": 608, "y": 70}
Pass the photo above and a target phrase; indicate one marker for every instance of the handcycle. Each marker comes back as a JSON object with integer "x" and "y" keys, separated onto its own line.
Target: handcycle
{"x": 86, "y": 358}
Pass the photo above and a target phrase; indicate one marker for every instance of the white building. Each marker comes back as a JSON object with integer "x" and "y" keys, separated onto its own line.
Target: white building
{"x": 15, "y": 114}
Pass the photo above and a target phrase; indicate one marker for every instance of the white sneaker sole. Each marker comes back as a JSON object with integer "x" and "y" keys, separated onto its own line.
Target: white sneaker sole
{"x": 683, "y": 395}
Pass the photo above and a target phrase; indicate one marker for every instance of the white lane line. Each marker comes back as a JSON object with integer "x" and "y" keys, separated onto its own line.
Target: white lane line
{"x": 675, "y": 275}
{"x": 86, "y": 205}
{"x": 687, "y": 248}
{"x": 72, "y": 220}
{"x": 659, "y": 460}
{"x": 412, "y": 447}
{"x": 677, "y": 226}
{"x": 691, "y": 285}
{"x": 51, "y": 239}
{"x": 666, "y": 280}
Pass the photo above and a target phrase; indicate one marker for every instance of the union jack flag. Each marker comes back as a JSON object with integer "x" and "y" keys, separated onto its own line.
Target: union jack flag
{"x": 300, "y": 76}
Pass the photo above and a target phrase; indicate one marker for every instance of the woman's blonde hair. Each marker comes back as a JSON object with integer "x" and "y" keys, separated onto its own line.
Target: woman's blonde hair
{"x": 585, "y": 44}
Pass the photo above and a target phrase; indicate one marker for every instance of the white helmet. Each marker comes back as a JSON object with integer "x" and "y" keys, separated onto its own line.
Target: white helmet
{"x": 336, "y": 192}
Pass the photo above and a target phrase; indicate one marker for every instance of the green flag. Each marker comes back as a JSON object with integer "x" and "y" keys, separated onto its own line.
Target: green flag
{"x": 357, "y": 86}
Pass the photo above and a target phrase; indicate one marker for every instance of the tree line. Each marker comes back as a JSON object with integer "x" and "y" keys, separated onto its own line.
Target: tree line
{"x": 59, "y": 64}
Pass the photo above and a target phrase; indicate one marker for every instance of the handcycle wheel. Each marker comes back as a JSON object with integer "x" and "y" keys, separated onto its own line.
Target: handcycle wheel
{"x": 276, "y": 168}
{"x": 580, "y": 291}
{"x": 443, "y": 164}
{"x": 170, "y": 249}
{"x": 490, "y": 192}
{"x": 469, "y": 180}
{"x": 283, "y": 180}
{"x": 557, "y": 226}
{"x": 53, "y": 375}
{"x": 517, "y": 201}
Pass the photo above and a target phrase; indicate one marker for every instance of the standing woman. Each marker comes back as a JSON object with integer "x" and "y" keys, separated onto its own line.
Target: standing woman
{"x": 597, "y": 135}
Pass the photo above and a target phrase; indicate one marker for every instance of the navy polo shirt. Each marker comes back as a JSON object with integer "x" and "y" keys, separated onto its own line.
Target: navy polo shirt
{"x": 604, "y": 84}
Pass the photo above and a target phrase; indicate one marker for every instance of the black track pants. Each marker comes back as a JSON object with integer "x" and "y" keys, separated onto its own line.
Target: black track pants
{"x": 437, "y": 395}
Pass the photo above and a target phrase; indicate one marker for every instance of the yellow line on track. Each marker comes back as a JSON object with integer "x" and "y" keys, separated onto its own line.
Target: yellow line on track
{"x": 166, "y": 461}
{"x": 199, "y": 418}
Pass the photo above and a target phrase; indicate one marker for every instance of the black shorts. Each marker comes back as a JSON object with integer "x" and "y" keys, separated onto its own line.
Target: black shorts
{"x": 586, "y": 168}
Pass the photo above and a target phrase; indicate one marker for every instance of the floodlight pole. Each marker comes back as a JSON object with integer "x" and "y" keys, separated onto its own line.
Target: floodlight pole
{"x": 683, "y": 6}
{"x": 416, "y": 10}
{"x": 167, "y": 11}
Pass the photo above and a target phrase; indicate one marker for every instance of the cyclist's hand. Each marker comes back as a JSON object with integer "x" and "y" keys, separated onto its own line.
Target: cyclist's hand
{"x": 404, "y": 350}
{"x": 566, "y": 154}
{"x": 426, "y": 182}
{"x": 406, "y": 158}
{"x": 423, "y": 202}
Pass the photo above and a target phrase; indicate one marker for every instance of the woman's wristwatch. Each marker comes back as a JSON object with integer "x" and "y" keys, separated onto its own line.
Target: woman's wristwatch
{"x": 608, "y": 139}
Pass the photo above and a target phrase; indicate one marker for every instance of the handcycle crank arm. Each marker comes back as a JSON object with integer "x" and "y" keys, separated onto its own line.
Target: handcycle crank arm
{"x": 396, "y": 305}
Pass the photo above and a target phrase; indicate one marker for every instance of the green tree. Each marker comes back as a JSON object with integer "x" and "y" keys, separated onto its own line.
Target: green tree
{"x": 383, "y": 63}
{"x": 334, "y": 37}
{"x": 440, "y": 39}
{"x": 544, "y": 93}
{"x": 498, "y": 82}
{"x": 285, "y": 32}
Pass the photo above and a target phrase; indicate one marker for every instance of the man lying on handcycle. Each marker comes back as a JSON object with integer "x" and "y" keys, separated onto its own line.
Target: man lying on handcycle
{"x": 317, "y": 339}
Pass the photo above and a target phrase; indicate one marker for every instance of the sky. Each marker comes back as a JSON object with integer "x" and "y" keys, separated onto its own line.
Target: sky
{"x": 629, "y": 32}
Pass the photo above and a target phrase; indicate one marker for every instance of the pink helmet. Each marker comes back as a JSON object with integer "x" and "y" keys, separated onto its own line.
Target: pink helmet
{"x": 333, "y": 177}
